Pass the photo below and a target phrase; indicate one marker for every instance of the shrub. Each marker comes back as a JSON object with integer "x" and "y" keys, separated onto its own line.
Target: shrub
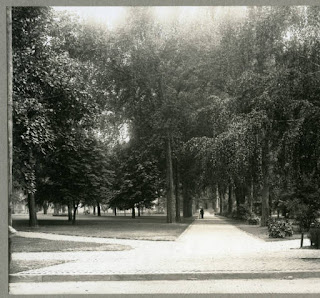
{"x": 243, "y": 212}
{"x": 314, "y": 234}
{"x": 234, "y": 214}
{"x": 254, "y": 220}
{"x": 279, "y": 228}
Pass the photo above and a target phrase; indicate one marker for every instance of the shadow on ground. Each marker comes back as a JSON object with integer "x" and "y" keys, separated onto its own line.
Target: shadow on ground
{"x": 123, "y": 227}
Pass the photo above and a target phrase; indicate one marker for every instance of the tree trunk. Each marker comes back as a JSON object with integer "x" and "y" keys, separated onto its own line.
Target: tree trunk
{"x": 265, "y": 182}
{"x": 169, "y": 175}
{"x": 133, "y": 212}
{"x": 32, "y": 210}
{"x": 9, "y": 107}
{"x": 94, "y": 209}
{"x": 69, "y": 211}
{"x": 230, "y": 203}
{"x": 187, "y": 201}
{"x": 75, "y": 208}
{"x": 221, "y": 199}
{"x": 265, "y": 202}
{"x": 169, "y": 181}
{"x": 32, "y": 188}
{"x": 177, "y": 195}
{"x": 139, "y": 211}
{"x": 240, "y": 194}
{"x": 250, "y": 194}
{"x": 45, "y": 207}
{"x": 99, "y": 209}
{"x": 115, "y": 211}
{"x": 214, "y": 196}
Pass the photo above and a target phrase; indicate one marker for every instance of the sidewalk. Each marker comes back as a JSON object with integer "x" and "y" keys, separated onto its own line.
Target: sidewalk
{"x": 237, "y": 288}
{"x": 210, "y": 248}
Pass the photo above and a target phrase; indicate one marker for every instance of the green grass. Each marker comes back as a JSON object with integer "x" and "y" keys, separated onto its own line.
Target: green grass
{"x": 123, "y": 227}
{"x": 22, "y": 265}
{"x": 21, "y": 244}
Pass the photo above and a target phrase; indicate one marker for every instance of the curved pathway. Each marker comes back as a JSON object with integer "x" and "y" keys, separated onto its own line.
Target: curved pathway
{"x": 210, "y": 245}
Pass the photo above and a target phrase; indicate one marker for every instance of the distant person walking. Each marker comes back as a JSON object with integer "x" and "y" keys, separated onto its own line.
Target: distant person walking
{"x": 201, "y": 212}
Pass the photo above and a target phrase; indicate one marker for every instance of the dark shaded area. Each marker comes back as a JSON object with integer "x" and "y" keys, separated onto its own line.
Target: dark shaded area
{"x": 142, "y": 228}
{"x": 93, "y": 220}
{"x": 21, "y": 244}
{"x": 19, "y": 265}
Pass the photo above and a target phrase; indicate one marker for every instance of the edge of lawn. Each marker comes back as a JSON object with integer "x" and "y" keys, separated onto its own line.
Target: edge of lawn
{"x": 155, "y": 237}
{"x": 18, "y": 266}
{"x": 257, "y": 231}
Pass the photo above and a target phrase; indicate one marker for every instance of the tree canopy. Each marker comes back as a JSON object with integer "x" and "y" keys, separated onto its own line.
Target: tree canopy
{"x": 226, "y": 101}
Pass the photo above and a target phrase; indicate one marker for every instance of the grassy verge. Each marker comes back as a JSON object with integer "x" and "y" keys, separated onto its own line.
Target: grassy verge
{"x": 259, "y": 232}
{"x": 17, "y": 266}
{"x": 123, "y": 227}
{"x": 21, "y": 244}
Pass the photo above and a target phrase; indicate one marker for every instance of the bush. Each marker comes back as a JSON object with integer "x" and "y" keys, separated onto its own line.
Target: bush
{"x": 234, "y": 214}
{"x": 243, "y": 212}
{"x": 254, "y": 220}
{"x": 279, "y": 228}
{"x": 314, "y": 234}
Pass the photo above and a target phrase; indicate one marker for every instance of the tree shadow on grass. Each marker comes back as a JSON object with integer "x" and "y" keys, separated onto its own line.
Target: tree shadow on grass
{"x": 17, "y": 266}
{"x": 143, "y": 228}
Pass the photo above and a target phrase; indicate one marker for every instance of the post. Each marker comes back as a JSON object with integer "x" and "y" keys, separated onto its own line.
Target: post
{"x": 301, "y": 241}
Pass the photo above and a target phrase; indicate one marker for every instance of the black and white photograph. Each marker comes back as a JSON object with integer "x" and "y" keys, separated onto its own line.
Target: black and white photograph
{"x": 163, "y": 150}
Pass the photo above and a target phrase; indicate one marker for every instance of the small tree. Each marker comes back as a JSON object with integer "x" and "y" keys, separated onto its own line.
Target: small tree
{"x": 137, "y": 180}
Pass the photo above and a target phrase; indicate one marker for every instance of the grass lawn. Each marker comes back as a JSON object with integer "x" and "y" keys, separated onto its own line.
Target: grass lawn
{"x": 19, "y": 266}
{"x": 21, "y": 244}
{"x": 260, "y": 232}
{"x": 152, "y": 227}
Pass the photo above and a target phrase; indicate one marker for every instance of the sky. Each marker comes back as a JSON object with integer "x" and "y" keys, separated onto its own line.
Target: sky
{"x": 111, "y": 16}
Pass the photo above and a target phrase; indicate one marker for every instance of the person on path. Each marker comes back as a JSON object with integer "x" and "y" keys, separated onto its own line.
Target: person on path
{"x": 201, "y": 212}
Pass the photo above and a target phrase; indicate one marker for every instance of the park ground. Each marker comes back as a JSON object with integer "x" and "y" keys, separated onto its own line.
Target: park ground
{"x": 112, "y": 255}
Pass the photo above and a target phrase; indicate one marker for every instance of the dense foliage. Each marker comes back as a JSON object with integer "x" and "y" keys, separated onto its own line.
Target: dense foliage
{"x": 219, "y": 103}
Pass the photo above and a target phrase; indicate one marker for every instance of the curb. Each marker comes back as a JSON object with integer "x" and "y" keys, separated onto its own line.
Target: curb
{"x": 19, "y": 278}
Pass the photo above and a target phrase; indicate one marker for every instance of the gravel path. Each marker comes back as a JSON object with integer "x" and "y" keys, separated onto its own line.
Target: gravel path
{"x": 208, "y": 245}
